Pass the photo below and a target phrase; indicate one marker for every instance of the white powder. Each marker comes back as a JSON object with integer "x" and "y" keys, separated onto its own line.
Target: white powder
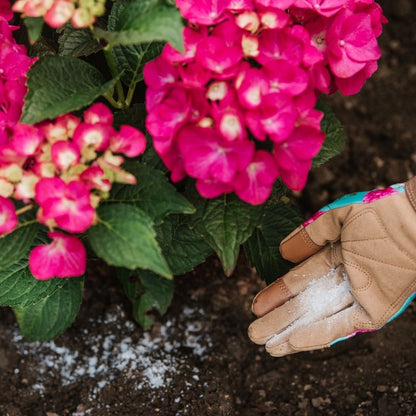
{"x": 321, "y": 299}
{"x": 146, "y": 360}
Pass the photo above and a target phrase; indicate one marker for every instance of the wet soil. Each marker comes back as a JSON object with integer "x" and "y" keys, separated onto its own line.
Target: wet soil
{"x": 197, "y": 359}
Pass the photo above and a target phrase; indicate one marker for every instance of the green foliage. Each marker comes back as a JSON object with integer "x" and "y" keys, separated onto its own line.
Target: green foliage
{"x": 182, "y": 246}
{"x": 335, "y": 139}
{"x": 262, "y": 248}
{"x": 52, "y": 313}
{"x": 147, "y": 291}
{"x": 130, "y": 59}
{"x": 77, "y": 42}
{"x": 125, "y": 237}
{"x": 34, "y": 26}
{"x": 153, "y": 193}
{"x": 225, "y": 223}
{"x": 14, "y": 246}
{"x": 59, "y": 85}
{"x": 143, "y": 21}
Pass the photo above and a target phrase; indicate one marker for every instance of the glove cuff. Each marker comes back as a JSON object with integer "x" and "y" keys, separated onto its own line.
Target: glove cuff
{"x": 411, "y": 191}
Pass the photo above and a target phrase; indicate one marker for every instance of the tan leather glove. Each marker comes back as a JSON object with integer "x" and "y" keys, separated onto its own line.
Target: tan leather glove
{"x": 358, "y": 273}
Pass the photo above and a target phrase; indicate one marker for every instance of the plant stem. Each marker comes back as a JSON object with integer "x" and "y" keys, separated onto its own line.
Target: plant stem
{"x": 24, "y": 209}
{"x": 121, "y": 102}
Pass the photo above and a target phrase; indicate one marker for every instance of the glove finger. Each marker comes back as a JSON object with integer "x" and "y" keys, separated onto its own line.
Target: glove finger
{"x": 321, "y": 298}
{"x": 296, "y": 280}
{"x": 323, "y": 228}
{"x": 318, "y": 335}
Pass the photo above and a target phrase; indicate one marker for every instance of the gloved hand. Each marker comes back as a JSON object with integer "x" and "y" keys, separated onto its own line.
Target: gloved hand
{"x": 358, "y": 273}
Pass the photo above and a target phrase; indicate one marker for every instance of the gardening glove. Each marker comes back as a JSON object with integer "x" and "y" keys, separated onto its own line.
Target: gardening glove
{"x": 358, "y": 273}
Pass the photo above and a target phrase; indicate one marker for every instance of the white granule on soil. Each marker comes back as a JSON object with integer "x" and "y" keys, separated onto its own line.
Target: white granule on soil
{"x": 322, "y": 298}
{"x": 147, "y": 361}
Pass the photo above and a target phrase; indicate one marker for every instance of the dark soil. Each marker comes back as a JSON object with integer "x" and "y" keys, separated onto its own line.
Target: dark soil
{"x": 197, "y": 359}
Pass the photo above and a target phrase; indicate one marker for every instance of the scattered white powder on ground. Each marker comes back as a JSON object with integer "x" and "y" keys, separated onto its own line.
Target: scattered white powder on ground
{"x": 322, "y": 298}
{"x": 147, "y": 361}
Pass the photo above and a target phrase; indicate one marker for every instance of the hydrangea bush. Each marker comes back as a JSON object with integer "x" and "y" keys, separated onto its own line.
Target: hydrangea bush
{"x": 152, "y": 135}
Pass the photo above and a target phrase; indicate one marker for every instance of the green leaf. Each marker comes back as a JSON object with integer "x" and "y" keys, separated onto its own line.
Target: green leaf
{"x": 124, "y": 237}
{"x": 145, "y": 21}
{"x": 34, "y": 26}
{"x": 182, "y": 246}
{"x": 335, "y": 139}
{"x": 262, "y": 248}
{"x": 130, "y": 59}
{"x": 52, "y": 314}
{"x": 19, "y": 288}
{"x": 59, "y": 85}
{"x": 152, "y": 193}
{"x": 77, "y": 42}
{"x": 147, "y": 291}
{"x": 15, "y": 246}
{"x": 226, "y": 222}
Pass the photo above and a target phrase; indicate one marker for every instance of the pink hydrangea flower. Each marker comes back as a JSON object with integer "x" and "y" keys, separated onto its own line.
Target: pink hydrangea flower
{"x": 68, "y": 205}
{"x": 252, "y": 72}
{"x": 64, "y": 257}
{"x": 8, "y": 217}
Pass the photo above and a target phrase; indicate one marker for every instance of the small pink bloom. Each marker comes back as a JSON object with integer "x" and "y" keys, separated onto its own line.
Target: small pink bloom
{"x": 274, "y": 118}
{"x": 26, "y": 139}
{"x": 280, "y": 44}
{"x": 274, "y": 18}
{"x": 98, "y": 113}
{"x": 130, "y": 141}
{"x": 160, "y": 73}
{"x": 254, "y": 184}
{"x": 25, "y": 189}
{"x": 285, "y": 77}
{"x": 248, "y": 20}
{"x": 212, "y": 54}
{"x": 5, "y": 11}
{"x": 352, "y": 85}
{"x": 251, "y": 86}
{"x": 92, "y": 136}
{"x": 203, "y": 12}
{"x": 166, "y": 118}
{"x": 281, "y": 4}
{"x": 326, "y": 8}
{"x": 207, "y": 157}
{"x": 211, "y": 188}
{"x": 351, "y": 44}
{"x": 65, "y": 154}
{"x": 65, "y": 256}
{"x": 82, "y": 18}
{"x": 69, "y": 122}
{"x": 67, "y": 204}
{"x": 94, "y": 177}
{"x": 191, "y": 38}
{"x": 60, "y": 13}
{"x": 8, "y": 217}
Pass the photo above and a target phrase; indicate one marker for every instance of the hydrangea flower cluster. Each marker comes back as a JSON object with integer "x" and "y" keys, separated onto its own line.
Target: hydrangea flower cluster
{"x": 236, "y": 111}
{"x": 64, "y": 167}
{"x": 14, "y": 64}
{"x": 56, "y": 13}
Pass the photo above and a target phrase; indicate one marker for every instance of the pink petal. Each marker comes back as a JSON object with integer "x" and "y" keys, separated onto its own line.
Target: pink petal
{"x": 130, "y": 141}
{"x": 203, "y": 12}
{"x": 211, "y": 188}
{"x": 65, "y": 154}
{"x": 8, "y": 217}
{"x": 65, "y": 256}
{"x": 212, "y": 55}
{"x": 255, "y": 183}
{"x": 98, "y": 113}
{"x": 48, "y": 188}
{"x": 93, "y": 136}
{"x": 159, "y": 73}
{"x": 26, "y": 139}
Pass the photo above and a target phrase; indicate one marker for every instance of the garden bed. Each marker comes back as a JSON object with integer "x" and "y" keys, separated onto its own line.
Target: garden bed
{"x": 197, "y": 359}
